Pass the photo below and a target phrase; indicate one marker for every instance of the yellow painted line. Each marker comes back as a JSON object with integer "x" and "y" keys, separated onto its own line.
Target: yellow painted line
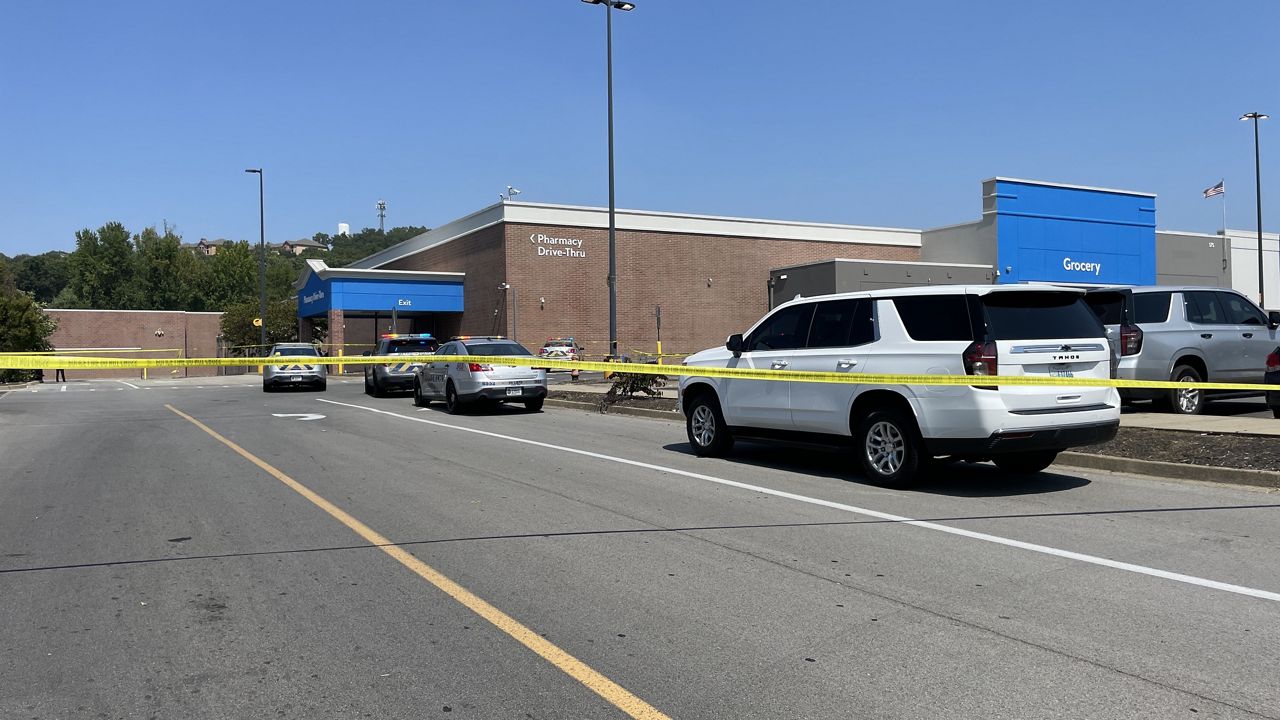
{"x": 619, "y": 696}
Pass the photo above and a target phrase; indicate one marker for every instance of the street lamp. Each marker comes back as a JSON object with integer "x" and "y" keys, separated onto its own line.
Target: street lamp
{"x": 262, "y": 261}
{"x": 610, "y": 6}
{"x": 515, "y": 311}
{"x": 1257, "y": 179}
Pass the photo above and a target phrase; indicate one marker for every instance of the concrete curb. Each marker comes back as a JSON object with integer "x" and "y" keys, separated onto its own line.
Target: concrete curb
{"x": 1175, "y": 471}
{"x": 669, "y": 415}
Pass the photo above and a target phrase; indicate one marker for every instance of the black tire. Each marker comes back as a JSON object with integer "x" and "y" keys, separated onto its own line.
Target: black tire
{"x": 324, "y": 385}
{"x": 378, "y": 389}
{"x": 1185, "y": 402}
{"x": 704, "y": 425}
{"x": 1275, "y": 411}
{"x": 452, "y": 404}
{"x": 418, "y": 398}
{"x": 889, "y": 449}
{"x": 368, "y": 388}
{"x": 267, "y": 387}
{"x": 1026, "y": 463}
{"x": 534, "y": 405}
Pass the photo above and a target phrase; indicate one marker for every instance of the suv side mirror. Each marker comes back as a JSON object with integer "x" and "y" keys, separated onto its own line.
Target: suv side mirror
{"x": 1273, "y": 319}
{"x": 735, "y": 344}
{"x": 367, "y": 353}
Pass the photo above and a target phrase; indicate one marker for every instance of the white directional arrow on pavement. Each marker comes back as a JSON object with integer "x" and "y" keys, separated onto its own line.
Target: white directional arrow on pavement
{"x": 300, "y": 416}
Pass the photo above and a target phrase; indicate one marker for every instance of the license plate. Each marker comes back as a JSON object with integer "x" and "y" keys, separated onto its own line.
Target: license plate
{"x": 1060, "y": 371}
{"x": 515, "y": 391}
{"x": 295, "y": 378}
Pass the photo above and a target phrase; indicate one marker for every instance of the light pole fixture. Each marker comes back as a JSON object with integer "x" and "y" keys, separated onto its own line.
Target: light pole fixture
{"x": 1257, "y": 180}
{"x": 610, "y": 6}
{"x": 262, "y": 261}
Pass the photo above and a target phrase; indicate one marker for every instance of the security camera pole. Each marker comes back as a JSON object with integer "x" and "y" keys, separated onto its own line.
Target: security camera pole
{"x": 610, "y": 6}
{"x": 262, "y": 262}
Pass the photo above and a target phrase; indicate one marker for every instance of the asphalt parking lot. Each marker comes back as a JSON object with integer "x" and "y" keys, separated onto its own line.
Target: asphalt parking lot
{"x": 199, "y": 549}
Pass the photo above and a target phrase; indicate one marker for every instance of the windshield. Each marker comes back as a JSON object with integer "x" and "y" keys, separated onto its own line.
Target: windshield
{"x": 503, "y": 348}
{"x": 409, "y": 347}
{"x": 1040, "y": 316}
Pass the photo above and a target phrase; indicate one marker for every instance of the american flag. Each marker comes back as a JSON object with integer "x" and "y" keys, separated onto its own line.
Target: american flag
{"x": 1216, "y": 189}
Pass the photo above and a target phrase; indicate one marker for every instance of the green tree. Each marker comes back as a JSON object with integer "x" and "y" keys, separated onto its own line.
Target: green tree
{"x": 101, "y": 268}
{"x": 166, "y": 274}
{"x": 281, "y": 320}
{"x": 230, "y": 276}
{"x": 24, "y": 327}
{"x": 44, "y": 276}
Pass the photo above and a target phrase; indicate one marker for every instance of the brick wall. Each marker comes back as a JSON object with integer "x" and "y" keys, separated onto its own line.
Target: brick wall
{"x": 482, "y": 257}
{"x": 654, "y": 268}
{"x": 195, "y": 334}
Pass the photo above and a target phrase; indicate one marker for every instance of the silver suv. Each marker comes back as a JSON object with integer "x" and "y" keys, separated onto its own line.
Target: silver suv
{"x": 1196, "y": 334}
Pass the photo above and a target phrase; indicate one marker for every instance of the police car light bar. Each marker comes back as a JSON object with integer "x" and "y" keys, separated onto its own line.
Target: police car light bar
{"x": 393, "y": 336}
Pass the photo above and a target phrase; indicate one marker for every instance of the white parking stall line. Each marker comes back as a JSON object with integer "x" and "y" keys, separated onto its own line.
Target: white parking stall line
{"x": 973, "y": 535}
{"x": 64, "y": 389}
{"x": 126, "y": 382}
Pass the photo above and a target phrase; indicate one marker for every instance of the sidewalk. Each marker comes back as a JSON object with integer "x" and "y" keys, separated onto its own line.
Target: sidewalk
{"x": 1203, "y": 423}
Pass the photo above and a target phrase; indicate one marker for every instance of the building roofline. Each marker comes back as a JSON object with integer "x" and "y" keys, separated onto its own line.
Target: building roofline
{"x": 527, "y": 213}
{"x": 1046, "y": 183}
{"x": 322, "y": 270}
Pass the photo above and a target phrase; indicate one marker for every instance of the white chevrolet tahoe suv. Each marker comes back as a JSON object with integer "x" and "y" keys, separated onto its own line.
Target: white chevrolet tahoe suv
{"x": 898, "y": 430}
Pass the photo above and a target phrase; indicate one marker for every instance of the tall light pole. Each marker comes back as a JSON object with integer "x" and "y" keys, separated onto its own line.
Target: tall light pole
{"x": 609, "y": 7}
{"x": 262, "y": 260}
{"x": 1257, "y": 179}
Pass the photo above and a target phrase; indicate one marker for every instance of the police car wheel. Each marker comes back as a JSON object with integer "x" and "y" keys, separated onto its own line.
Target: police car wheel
{"x": 418, "y": 398}
{"x": 534, "y": 405}
{"x": 368, "y": 389}
{"x": 452, "y": 404}
{"x": 378, "y": 389}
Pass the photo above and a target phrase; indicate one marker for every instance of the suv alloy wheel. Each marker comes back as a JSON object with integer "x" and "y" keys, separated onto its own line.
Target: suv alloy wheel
{"x": 888, "y": 448}
{"x": 704, "y": 424}
{"x": 418, "y": 398}
{"x": 1186, "y": 402}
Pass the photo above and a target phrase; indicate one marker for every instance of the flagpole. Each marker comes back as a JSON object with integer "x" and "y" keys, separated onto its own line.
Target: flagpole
{"x": 1225, "y": 239}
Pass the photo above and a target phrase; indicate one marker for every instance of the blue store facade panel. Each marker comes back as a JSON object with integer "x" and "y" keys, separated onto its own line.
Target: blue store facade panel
{"x": 1047, "y": 232}
{"x": 366, "y": 291}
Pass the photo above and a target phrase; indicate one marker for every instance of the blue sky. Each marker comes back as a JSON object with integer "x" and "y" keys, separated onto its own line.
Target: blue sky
{"x": 851, "y": 112}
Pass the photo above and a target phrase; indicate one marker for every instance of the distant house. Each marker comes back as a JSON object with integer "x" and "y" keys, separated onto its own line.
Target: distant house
{"x": 209, "y": 247}
{"x": 296, "y": 247}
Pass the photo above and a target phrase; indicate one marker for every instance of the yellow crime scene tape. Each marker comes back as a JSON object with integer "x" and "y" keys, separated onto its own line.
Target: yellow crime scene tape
{"x": 38, "y": 362}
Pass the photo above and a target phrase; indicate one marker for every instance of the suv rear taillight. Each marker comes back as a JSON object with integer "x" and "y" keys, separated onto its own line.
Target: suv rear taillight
{"x": 980, "y": 359}
{"x": 477, "y": 367}
{"x": 1273, "y": 361}
{"x": 1130, "y": 340}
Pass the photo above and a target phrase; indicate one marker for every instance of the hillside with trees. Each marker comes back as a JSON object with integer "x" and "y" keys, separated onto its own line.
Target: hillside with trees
{"x": 114, "y": 269}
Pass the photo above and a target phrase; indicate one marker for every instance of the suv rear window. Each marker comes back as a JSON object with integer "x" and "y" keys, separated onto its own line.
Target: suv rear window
{"x": 496, "y": 348}
{"x": 1150, "y": 308}
{"x": 935, "y": 317}
{"x": 295, "y": 351}
{"x": 1107, "y": 305}
{"x": 1039, "y": 316}
{"x": 422, "y": 345}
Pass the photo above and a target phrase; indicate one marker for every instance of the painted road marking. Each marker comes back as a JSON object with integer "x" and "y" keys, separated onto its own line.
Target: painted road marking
{"x": 552, "y": 653}
{"x": 301, "y": 416}
{"x": 986, "y": 537}
{"x": 126, "y": 382}
{"x": 64, "y": 389}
